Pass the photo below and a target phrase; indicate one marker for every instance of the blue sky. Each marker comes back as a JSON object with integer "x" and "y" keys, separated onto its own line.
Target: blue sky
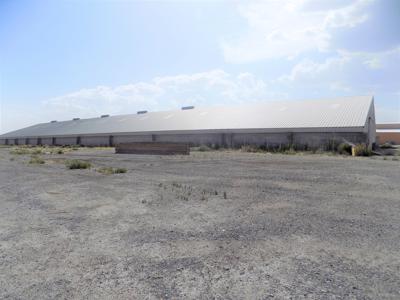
{"x": 65, "y": 59}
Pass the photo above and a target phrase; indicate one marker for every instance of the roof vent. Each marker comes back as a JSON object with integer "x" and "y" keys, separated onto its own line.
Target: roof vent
{"x": 187, "y": 107}
{"x": 54, "y": 121}
{"x": 76, "y": 119}
{"x": 104, "y": 116}
{"x": 141, "y": 112}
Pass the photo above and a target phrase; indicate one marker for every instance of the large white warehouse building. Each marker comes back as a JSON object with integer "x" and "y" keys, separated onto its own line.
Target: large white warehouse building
{"x": 303, "y": 123}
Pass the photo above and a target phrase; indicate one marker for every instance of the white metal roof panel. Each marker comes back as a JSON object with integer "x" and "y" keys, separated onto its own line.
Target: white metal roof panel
{"x": 334, "y": 113}
{"x": 388, "y": 130}
{"x": 388, "y": 126}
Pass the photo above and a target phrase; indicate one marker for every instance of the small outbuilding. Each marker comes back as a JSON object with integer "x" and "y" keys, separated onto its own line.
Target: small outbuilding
{"x": 312, "y": 124}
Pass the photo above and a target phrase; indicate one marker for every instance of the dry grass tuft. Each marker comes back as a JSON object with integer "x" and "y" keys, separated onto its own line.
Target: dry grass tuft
{"x": 77, "y": 164}
{"x": 36, "y": 160}
{"x": 111, "y": 170}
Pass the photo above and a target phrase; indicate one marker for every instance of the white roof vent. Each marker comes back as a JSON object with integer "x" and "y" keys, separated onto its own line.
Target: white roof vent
{"x": 187, "y": 107}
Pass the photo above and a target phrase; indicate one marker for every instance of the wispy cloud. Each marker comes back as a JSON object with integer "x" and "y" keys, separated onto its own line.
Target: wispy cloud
{"x": 214, "y": 87}
{"x": 345, "y": 66}
{"x": 169, "y": 92}
{"x": 287, "y": 28}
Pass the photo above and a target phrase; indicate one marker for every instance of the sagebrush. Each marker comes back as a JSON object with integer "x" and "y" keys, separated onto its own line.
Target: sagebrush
{"x": 111, "y": 170}
{"x": 362, "y": 150}
{"x": 77, "y": 164}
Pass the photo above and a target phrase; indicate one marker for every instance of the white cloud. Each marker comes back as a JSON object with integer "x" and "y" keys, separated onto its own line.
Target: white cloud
{"x": 375, "y": 60}
{"x": 161, "y": 93}
{"x": 340, "y": 86}
{"x": 309, "y": 69}
{"x": 348, "y": 16}
{"x": 286, "y": 28}
{"x": 352, "y": 67}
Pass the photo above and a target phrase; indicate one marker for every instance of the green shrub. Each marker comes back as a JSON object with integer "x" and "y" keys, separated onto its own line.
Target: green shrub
{"x": 290, "y": 151}
{"x": 26, "y": 151}
{"x": 250, "y": 148}
{"x": 120, "y": 170}
{"x": 332, "y": 145}
{"x": 285, "y": 149}
{"x": 344, "y": 148}
{"x": 20, "y": 151}
{"x": 77, "y": 164}
{"x": 106, "y": 170}
{"x": 37, "y": 151}
{"x": 36, "y": 160}
{"x": 110, "y": 170}
{"x": 204, "y": 148}
{"x": 386, "y": 146}
{"x": 362, "y": 150}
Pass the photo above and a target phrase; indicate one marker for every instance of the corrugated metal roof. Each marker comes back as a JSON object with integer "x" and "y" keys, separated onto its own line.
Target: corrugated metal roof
{"x": 388, "y": 126}
{"x": 388, "y": 130}
{"x": 334, "y": 113}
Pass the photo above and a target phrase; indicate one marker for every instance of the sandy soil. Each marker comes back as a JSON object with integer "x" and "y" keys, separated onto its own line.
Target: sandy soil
{"x": 212, "y": 225}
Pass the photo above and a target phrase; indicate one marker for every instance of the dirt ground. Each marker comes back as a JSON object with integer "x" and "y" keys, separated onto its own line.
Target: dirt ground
{"x": 212, "y": 225}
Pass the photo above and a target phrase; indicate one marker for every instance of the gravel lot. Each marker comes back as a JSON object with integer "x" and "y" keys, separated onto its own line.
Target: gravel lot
{"x": 212, "y": 225}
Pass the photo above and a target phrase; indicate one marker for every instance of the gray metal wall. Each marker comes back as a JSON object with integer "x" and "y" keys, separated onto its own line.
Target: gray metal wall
{"x": 193, "y": 139}
{"x": 66, "y": 141}
{"x": 32, "y": 141}
{"x": 95, "y": 140}
{"x": 311, "y": 139}
{"x": 132, "y": 138}
{"x": 47, "y": 141}
{"x": 315, "y": 140}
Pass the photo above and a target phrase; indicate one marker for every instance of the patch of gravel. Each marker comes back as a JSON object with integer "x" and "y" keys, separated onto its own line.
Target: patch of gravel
{"x": 211, "y": 225}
